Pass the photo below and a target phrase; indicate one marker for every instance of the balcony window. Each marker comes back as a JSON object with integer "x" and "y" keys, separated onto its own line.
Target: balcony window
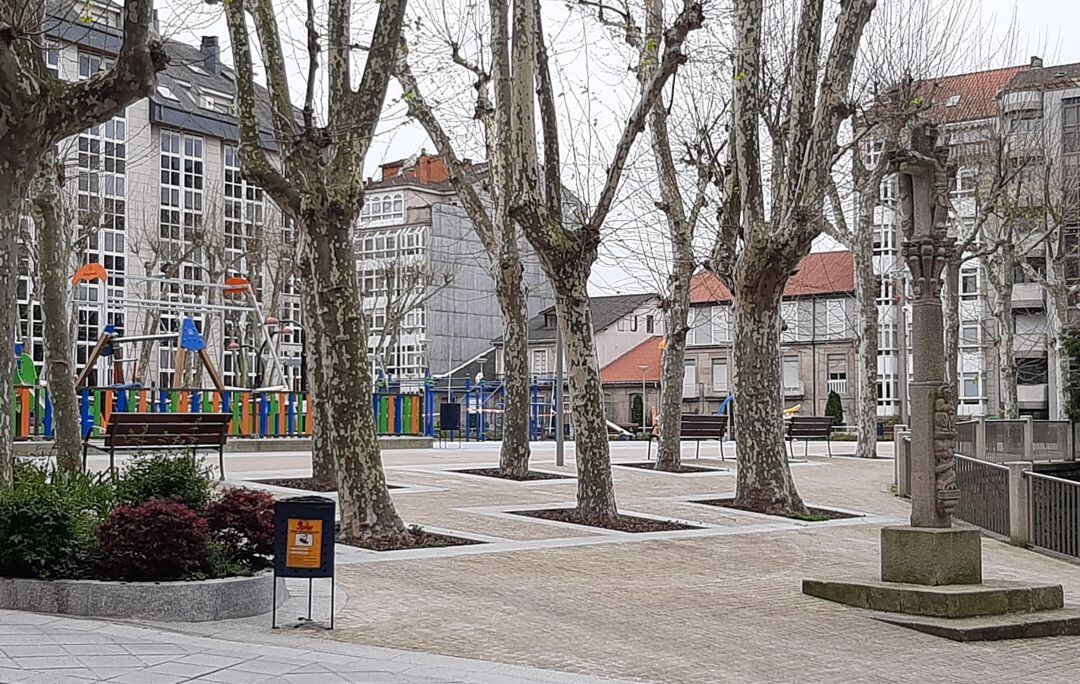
{"x": 540, "y": 362}
{"x": 791, "y": 373}
{"x": 837, "y": 367}
{"x": 1031, "y": 371}
{"x": 835, "y": 318}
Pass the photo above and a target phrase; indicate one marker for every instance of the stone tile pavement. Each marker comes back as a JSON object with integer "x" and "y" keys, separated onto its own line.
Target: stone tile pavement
{"x": 721, "y": 604}
{"x": 46, "y": 649}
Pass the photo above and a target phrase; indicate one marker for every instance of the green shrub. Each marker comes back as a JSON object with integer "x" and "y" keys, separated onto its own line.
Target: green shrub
{"x": 47, "y": 521}
{"x": 152, "y": 541}
{"x": 180, "y": 479}
{"x": 242, "y": 524}
{"x": 834, "y": 408}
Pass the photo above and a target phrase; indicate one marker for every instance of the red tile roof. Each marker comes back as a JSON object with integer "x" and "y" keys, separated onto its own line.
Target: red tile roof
{"x": 626, "y": 368}
{"x": 974, "y": 95}
{"x": 818, "y": 274}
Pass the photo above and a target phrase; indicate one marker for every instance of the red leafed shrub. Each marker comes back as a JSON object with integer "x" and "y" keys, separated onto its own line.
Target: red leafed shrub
{"x": 242, "y": 521}
{"x": 151, "y": 541}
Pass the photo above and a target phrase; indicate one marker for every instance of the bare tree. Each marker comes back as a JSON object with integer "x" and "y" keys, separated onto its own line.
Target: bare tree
{"x": 56, "y": 238}
{"x": 408, "y": 284}
{"x": 37, "y": 110}
{"x": 906, "y": 46}
{"x": 496, "y": 230}
{"x": 567, "y": 239}
{"x": 319, "y": 185}
{"x": 757, "y": 249}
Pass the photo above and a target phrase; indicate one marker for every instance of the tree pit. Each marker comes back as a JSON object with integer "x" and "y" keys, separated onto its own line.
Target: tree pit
{"x": 308, "y": 484}
{"x": 682, "y": 469}
{"x": 419, "y": 538}
{"x": 815, "y": 514}
{"x": 622, "y": 523}
{"x": 531, "y": 476}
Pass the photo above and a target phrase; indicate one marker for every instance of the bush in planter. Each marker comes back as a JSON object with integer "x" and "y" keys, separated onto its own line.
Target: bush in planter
{"x": 242, "y": 524}
{"x": 44, "y": 530}
{"x": 150, "y": 541}
{"x": 180, "y": 479}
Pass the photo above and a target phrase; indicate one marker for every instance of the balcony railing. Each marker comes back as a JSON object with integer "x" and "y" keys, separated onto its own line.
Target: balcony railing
{"x": 838, "y": 386}
{"x": 793, "y": 388}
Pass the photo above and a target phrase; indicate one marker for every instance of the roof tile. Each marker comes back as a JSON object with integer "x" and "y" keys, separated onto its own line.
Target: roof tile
{"x": 627, "y": 368}
{"x": 818, "y": 274}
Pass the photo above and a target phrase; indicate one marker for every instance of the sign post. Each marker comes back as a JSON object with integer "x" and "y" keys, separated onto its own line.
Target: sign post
{"x": 304, "y": 544}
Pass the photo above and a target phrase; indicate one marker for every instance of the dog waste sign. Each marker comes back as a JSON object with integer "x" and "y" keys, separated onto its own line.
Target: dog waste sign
{"x": 304, "y": 544}
{"x": 304, "y": 537}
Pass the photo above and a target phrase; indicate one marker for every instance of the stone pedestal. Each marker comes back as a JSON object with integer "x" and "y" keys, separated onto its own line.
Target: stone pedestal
{"x": 931, "y": 556}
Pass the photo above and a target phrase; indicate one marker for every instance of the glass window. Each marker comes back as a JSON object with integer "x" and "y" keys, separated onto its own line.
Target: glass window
{"x": 969, "y": 334}
{"x": 835, "y": 318}
{"x": 540, "y": 362}
{"x": 791, "y": 372}
{"x": 970, "y": 387}
{"x": 690, "y": 378}
{"x": 649, "y": 324}
{"x": 719, "y": 376}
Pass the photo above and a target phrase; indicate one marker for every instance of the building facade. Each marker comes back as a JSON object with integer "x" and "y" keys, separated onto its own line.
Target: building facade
{"x": 817, "y": 355}
{"x": 158, "y": 198}
{"x": 1030, "y": 115}
{"x": 418, "y": 255}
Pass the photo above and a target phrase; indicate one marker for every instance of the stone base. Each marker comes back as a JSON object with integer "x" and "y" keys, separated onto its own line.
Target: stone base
{"x": 947, "y": 601}
{"x": 195, "y": 601}
{"x": 931, "y": 556}
{"x": 1048, "y": 623}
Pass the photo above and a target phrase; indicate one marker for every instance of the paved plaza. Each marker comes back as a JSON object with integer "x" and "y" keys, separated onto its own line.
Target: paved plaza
{"x": 548, "y": 601}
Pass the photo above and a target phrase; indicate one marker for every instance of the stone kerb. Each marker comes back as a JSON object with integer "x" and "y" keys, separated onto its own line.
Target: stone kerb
{"x": 194, "y": 601}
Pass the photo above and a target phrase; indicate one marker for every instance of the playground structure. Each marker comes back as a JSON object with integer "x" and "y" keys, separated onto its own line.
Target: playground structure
{"x": 190, "y": 302}
{"x": 267, "y": 411}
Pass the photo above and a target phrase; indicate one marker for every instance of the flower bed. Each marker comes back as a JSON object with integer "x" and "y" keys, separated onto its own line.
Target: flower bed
{"x": 160, "y": 528}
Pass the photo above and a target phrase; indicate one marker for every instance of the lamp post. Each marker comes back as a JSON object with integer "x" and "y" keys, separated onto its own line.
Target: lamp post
{"x": 644, "y": 404}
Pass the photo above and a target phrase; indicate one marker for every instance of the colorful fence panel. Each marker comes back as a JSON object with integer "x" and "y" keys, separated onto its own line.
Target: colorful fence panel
{"x": 254, "y": 414}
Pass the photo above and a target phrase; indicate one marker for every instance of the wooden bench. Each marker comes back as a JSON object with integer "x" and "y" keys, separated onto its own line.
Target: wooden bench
{"x": 696, "y": 427}
{"x": 150, "y": 431}
{"x": 807, "y": 428}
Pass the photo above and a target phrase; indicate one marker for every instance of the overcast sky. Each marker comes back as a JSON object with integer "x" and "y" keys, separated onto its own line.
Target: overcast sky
{"x": 1002, "y": 32}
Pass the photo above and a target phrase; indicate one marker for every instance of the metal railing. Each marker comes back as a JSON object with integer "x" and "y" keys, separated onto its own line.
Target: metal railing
{"x": 1021, "y": 439}
{"x": 1050, "y": 440}
{"x": 1004, "y": 440}
{"x": 965, "y": 438}
{"x": 984, "y": 494}
{"x": 1055, "y": 513}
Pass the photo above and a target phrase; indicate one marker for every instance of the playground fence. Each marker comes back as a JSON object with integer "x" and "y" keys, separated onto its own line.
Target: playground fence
{"x": 254, "y": 414}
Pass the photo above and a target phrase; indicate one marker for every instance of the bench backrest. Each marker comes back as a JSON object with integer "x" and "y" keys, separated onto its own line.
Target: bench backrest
{"x": 167, "y": 429}
{"x": 810, "y": 426}
{"x": 703, "y": 425}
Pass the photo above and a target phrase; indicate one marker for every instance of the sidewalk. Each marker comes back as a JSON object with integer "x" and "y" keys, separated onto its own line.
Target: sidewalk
{"x": 58, "y": 650}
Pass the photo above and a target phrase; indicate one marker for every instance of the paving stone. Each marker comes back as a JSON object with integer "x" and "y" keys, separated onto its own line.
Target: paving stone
{"x": 110, "y": 661}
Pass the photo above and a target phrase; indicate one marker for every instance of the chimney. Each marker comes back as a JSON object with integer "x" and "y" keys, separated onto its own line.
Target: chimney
{"x": 1036, "y": 62}
{"x": 211, "y": 54}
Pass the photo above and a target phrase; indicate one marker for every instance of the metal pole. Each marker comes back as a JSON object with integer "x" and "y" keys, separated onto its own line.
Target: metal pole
{"x": 901, "y": 349}
{"x": 560, "y": 455}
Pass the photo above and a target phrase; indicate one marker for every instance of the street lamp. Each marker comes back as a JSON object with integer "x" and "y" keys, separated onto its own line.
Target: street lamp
{"x": 644, "y": 404}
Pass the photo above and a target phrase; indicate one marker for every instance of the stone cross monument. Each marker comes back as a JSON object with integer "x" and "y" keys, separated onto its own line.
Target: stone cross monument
{"x": 923, "y": 213}
{"x": 931, "y": 550}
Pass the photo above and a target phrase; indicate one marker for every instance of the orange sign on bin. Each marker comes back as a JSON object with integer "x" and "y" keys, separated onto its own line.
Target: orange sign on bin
{"x": 303, "y": 546}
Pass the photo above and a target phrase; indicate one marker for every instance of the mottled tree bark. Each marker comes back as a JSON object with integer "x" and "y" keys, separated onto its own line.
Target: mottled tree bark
{"x": 763, "y": 477}
{"x": 345, "y": 424}
{"x": 37, "y": 111}
{"x": 681, "y": 224}
{"x": 866, "y": 354}
{"x": 759, "y": 242}
{"x": 493, "y": 225}
{"x": 320, "y": 185}
{"x": 510, "y": 288}
{"x": 1000, "y": 275}
{"x": 595, "y": 493}
{"x": 54, "y": 235}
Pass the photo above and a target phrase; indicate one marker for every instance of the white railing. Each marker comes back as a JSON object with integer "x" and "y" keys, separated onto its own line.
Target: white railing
{"x": 838, "y": 386}
{"x": 793, "y": 389}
